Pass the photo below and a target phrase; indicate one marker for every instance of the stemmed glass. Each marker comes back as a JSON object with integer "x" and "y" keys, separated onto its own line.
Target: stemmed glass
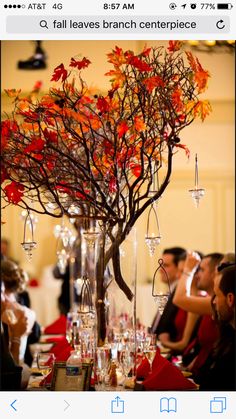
{"x": 149, "y": 349}
{"x": 45, "y": 362}
{"x": 103, "y": 360}
{"x": 150, "y": 354}
{"x": 127, "y": 360}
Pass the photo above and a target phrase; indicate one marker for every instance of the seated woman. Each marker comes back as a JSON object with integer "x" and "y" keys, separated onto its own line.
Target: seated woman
{"x": 191, "y": 325}
{"x": 13, "y": 279}
{"x": 13, "y": 327}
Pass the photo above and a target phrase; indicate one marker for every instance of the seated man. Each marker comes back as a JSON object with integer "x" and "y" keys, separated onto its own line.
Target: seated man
{"x": 218, "y": 373}
{"x": 171, "y": 323}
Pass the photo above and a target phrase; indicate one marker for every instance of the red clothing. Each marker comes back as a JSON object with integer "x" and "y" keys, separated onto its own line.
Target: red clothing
{"x": 179, "y": 322}
{"x": 207, "y": 335}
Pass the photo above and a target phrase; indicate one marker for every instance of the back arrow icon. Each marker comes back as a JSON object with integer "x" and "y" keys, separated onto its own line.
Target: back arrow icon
{"x": 12, "y": 405}
{"x": 67, "y": 405}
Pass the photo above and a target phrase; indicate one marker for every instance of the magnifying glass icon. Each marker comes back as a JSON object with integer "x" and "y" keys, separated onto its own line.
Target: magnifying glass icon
{"x": 43, "y": 24}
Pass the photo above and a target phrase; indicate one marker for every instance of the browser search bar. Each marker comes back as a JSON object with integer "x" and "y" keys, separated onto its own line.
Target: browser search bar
{"x": 117, "y": 24}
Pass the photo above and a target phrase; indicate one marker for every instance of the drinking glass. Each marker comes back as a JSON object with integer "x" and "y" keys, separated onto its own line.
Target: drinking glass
{"x": 45, "y": 362}
{"x": 150, "y": 353}
{"x": 103, "y": 361}
{"x": 127, "y": 361}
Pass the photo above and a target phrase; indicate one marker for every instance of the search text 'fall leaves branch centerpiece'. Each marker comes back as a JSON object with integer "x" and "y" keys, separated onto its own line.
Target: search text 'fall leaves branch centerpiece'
{"x": 101, "y": 153}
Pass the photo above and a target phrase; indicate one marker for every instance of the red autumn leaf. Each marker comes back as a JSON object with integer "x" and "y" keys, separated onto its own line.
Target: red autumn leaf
{"x": 112, "y": 185}
{"x": 59, "y": 72}
{"x": 38, "y": 156}
{"x": 185, "y": 148}
{"x": 102, "y": 104}
{"x": 36, "y": 145}
{"x": 146, "y": 51}
{"x": 50, "y": 136}
{"x": 152, "y": 82}
{"x": 7, "y": 129}
{"x": 139, "y": 64}
{"x": 37, "y": 86}
{"x": 63, "y": 187}
{"x": 174, "y": 46}
{"x": 122, "y": 128}
{"x": 14, "y": 192}
{"x": 136, "y": 169}
{"x": 80, "y": 64}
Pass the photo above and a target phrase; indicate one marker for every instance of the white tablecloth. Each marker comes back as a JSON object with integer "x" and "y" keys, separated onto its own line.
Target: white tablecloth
{"x": 44, "y": 298}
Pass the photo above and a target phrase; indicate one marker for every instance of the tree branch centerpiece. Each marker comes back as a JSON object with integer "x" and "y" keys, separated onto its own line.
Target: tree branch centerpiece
{"x": 99, "y": 154}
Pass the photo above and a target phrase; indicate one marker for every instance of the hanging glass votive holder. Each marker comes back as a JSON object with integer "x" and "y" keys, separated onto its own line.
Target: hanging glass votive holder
{"x": 73, "y": 210}
{"x": 152, "y": 239}
{"x": 154, "y": 187}
{"x": 161, "y": 297}
{"x": 28, "y": 244}
{"x": 86, "y": 300}
{"x": 33, "y": 218}
{"x": 91, "y": 236}
{"x": 62, "y": 260}
{"x": 196, "y": 193}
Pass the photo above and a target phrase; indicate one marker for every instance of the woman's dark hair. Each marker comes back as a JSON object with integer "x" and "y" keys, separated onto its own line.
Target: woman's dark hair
{"x": 228, "y": 279}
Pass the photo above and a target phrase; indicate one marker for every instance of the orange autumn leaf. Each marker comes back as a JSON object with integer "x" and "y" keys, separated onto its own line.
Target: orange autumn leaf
{"x": 116, "y": 57}
{"x": 12, "y": 92}
{"x": 118, "y": 78}
{"x": 152, "y": 82}
{"x": 201, "y": 78}
{"x": 191, "y": 60}
{"x": 139, "y": 124}
{"x": 176, "y": 98}
{"x": 202, "y": 109}
{"x": 200, "y": 75}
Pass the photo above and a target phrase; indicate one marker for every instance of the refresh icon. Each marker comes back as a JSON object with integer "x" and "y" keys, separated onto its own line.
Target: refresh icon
{"x": 220, "y": 24}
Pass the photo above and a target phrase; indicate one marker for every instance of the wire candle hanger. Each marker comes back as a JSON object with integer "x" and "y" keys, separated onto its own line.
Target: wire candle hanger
{"x": 161, "y": 298}
{"x": 197, "y": 193}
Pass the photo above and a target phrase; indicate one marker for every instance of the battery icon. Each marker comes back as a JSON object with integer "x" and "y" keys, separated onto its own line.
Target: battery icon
{"x": 224, "y": 6}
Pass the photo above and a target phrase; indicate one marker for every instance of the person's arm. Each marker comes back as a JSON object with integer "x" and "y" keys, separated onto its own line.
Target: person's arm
{"x": 183, "y": 298}
{"x": 192, "y": 319}
{"x": 16, "y": 331}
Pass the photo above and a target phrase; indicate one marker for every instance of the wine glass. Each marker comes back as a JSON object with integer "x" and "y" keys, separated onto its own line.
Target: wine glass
{"x": 150, "y": 353}
{"x": 127, "y": 360}
{"x": 103, "y": 361}
{"x": 45, "y": 362}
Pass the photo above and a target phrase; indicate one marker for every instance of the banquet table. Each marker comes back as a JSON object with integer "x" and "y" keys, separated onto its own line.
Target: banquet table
{"x": 49, "y": 343}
